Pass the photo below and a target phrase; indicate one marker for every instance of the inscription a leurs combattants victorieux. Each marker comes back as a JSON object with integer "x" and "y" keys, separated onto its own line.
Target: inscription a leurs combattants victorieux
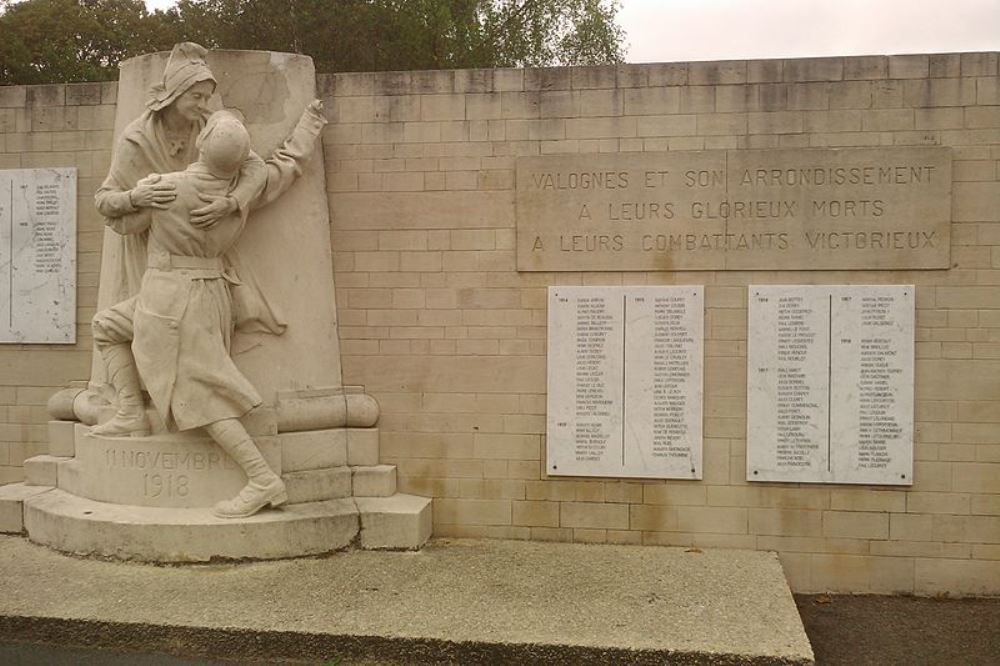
{"x": 884, "y": 208}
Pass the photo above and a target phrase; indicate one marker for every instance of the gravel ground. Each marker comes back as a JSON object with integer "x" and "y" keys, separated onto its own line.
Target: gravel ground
{"x": 856, "y": 630}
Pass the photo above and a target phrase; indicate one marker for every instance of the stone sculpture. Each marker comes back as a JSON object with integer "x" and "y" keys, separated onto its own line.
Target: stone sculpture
{"x": 223, "y": 310}
{"x": 179, "y": 324}
{"x": 162, "y": 140}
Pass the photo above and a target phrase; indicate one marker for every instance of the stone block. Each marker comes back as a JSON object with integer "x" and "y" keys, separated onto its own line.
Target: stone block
{"x": 46, "y": 95}
{"x": 711, "y": 519}
{"x": 786, "y": 522}
{"x": 594, "y": 515}
{"x": 979, "y": 64}
{"x": 42, "y": 471}
{"x": 939, "y": 92}
{"x": 83, "y": 94}
{"x": 12, "y": 498}
{"x": 944, "y": 65}
{"x": 593, "y": 77}
{"x": 764, "y": 71}
{"x": 652, "y": 101}
{"x": 109, "y": 92}
{"x": 533, "y": 513}
{"x": 814, "y": 69}
{"x": 431, "y": 82}
{"x": 547, "y": 78}
{"x": 959, "y": 577}
{"x": 474, "y": 511}
{"x": 313, "y": 449}
{"x": 865, "y": 499}
{"x": 856, "y": 524}
{"x": 401, "y": 522}
{"x": 362, "y": 446}
{"x": 473, "y": 80}
{"x": 851, "y": 95}
{"x": 62, "y": 438}
{"x": 373, "y": 481}
{"x": 318, "y": 484}
{"x": 13, "y": 96}
{"x": 442, "y": 107}
{"x": 715, "y": 73}
{"x": 909, "y": 66}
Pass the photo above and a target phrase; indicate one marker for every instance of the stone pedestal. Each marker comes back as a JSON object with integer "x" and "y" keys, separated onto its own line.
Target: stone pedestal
{"x": 149, "y": 498}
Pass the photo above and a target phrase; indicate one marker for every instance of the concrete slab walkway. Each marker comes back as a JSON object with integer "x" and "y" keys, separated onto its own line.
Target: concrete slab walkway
{"x": 458, "y": 601}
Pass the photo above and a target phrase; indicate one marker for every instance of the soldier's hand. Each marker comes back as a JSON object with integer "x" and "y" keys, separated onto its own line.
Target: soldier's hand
{"x": 215, "y": 208}
{"x": 152, "y": 193}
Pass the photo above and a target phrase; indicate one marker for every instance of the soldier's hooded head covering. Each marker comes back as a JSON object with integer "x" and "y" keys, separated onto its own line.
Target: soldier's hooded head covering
{"x": 185, "y": 67}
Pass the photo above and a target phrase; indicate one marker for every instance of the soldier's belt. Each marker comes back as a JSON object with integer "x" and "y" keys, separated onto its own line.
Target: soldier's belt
{"x": 166, "y": 262}
{"x": 194, "y": 268}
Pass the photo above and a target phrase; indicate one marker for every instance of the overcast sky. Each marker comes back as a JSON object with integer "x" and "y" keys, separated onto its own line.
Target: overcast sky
{"x": 679, "y": 30}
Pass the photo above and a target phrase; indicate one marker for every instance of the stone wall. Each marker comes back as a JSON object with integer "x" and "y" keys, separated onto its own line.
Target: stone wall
{"x": 53, "y": 126}
{"x": 437, "y": 324}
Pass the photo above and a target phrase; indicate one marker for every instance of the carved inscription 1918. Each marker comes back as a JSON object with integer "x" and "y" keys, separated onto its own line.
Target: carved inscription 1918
{"x": 886, "y": 208}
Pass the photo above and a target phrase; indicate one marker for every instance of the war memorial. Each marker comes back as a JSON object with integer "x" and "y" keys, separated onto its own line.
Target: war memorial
{"x": 253, "y": 312}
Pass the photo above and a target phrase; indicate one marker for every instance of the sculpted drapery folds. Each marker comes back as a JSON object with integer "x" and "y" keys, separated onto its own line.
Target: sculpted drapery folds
{"x": 162, "y": 140}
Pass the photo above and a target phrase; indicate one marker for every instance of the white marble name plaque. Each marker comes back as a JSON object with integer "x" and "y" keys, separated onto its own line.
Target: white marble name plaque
{"x": 830, "y": 384}
{"x": 38, "y": 256}
{"x": 625, "y": 368}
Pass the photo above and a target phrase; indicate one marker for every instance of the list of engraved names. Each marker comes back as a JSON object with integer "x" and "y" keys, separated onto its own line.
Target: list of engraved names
{"x": 594, "y": 398}
{"x": 673, "y": 368}
{"x": 38, "y": 255}
{"x": 625, "y": 381}
{"x": 830, "y": 384}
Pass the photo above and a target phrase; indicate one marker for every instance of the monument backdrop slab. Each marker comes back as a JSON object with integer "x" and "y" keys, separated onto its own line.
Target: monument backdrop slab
{"x": 38, "y": 256}
{"x": 830, "y": 384}
{"x": 625, "y": 368}
{"x": 815, "y": 209}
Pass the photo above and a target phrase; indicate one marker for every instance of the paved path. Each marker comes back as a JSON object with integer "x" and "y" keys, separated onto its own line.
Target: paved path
{"x": 457, "y": 600}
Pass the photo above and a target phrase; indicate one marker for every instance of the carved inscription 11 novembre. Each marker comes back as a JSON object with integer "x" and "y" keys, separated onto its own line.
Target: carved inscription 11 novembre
{"x": 858, "y": 208}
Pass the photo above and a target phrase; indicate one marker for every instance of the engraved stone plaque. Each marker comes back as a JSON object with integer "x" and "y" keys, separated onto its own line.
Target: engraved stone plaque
{"x": 830, "y": 384}
{"x": 38, "y": 256}
{"x": 815, "y": 209}
{"x": 625, "y": 367}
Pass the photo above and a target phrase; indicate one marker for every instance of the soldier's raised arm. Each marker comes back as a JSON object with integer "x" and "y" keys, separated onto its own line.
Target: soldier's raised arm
{"x": 285, "y": 165}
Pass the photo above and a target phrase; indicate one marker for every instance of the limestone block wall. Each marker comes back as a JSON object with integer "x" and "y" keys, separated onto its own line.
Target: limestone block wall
{"x": 438, "y": 325}
{"x": 53, "y": 126}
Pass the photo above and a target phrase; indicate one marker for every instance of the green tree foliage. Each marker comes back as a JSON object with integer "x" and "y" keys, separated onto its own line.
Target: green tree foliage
{"x": 43, "y": 41}
{"x": 77, "y": 40}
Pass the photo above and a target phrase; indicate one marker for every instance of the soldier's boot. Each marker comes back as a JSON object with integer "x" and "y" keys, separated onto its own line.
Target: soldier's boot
{"x": 130, "y": 419}
{"x": 263, "y": 488}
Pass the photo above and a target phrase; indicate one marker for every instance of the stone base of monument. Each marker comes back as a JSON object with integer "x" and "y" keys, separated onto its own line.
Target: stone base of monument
{"x": 150, "y": 498}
